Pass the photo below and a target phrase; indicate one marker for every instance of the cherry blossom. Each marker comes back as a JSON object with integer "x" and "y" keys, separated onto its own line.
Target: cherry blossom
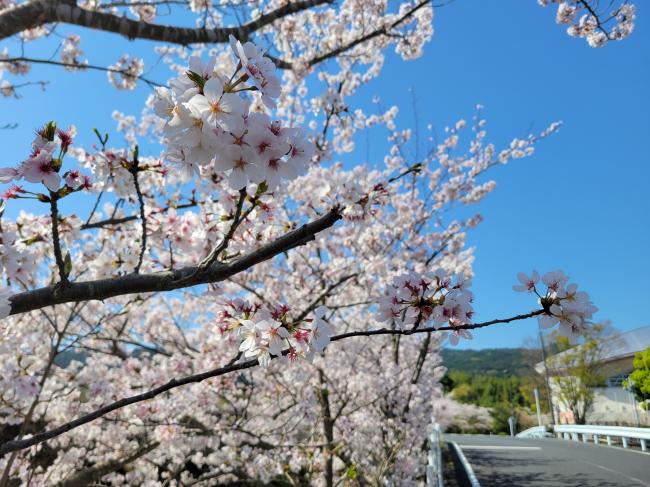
{"x": 217, "y": 107}
{"x": 595, "y": 25}
{"x": 209, "y": 120}
{"x": 415, "y": 299}
{"x": 278, "y": 314}
{"x": 527, "y": 283}
{"x": 123, "y": 75}
{"x": 562, "y": 303}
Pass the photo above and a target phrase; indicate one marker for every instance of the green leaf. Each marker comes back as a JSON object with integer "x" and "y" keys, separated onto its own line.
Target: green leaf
{"x": 49, "y": 130}
{"x": 102, "y": 140}
{"x": 351, "y": 472}
{"x": 83, "y": 393}
{"x": 262, "y": 188}
{"x": 197, "y": 79}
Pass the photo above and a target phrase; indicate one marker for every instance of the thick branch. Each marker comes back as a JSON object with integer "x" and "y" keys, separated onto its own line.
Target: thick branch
{"x": 168, "y": 280}
{"x": 39, "y": 12}
{"x": 328, "y": 428}
{"x": 174, "y": 383}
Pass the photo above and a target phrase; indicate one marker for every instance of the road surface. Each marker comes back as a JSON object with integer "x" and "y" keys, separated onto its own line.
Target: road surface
{"x": 505, "y": 461}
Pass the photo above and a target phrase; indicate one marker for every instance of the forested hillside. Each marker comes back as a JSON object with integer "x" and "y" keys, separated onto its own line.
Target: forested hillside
{"x": 501, "y": 379}
{"x": 492, "y": 361}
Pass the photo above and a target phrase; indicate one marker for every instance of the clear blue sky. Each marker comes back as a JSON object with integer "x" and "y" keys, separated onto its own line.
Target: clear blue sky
{"x": 580, "y": 204}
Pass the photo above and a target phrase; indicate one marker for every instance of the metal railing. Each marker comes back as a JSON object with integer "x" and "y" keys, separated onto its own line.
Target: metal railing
{"x": 470, "y": 476}
{"x": 534, "y": 432}
{"x": 434, "y": 465}
{"x": 574, "y": 431}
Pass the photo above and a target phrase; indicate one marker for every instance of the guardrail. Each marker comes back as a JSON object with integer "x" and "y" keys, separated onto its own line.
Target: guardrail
{"x": 467, "y": 470}
{"x": 573, "y": 431}
{"x": 434, "y": 466}
{"x": 534, "y": 432}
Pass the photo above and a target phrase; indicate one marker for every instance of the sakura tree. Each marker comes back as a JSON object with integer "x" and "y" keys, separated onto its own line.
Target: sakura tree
{"x": 243, "y": 307}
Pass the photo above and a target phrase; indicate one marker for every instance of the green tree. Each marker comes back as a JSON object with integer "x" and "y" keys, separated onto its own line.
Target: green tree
{"x": 640, "y": 377}
{"x": 576, "y": 370}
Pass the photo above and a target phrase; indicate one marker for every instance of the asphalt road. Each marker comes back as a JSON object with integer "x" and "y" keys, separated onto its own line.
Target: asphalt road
{"x": 505, "y": 461}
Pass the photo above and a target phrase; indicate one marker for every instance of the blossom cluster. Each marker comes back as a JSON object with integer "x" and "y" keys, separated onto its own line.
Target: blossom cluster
{"x": 589, "y": 25}
{"x": 264, "y": 334}
{"x": 124, "y": 74}
{"x": 71, "y": 53}
{"x": 414, "y": 299}
{"x": 44, "y": 165}
{"x": 17, "y": 262}
{"x": 562, "y": 302}
{"x": 145, "y": 12}
{"x": 211, "y": 129}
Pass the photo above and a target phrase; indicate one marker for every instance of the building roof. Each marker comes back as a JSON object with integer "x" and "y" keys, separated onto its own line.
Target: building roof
{"x": 617, "y": 347}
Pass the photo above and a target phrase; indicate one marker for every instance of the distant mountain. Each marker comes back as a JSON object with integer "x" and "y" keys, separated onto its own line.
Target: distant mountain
{"x": 491, "y": 361}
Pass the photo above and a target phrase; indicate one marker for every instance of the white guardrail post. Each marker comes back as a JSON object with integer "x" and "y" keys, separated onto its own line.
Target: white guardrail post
{"x": 434, "y": 465}
{"x": 595, "y": 431}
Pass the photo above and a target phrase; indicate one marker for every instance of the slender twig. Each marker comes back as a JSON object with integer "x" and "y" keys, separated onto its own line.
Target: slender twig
{"x": 469, "y": 326}
{"x": 95, "y": 206}
{"x": 381, "y": 31}
{"x": 143, "y": 218}
{"x": 11, "y": 89}
{"x": 90, "y": 475}
{"x": 118, "y": 221}
{"x": 311, "y": 306}
{"x": 56, "y": 243}
{"x": 223, "y": 245}
{"x": 122, "y": 72}
{"x": 599, "y": 24}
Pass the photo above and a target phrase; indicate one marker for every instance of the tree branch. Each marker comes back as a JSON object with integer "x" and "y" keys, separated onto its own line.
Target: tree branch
{"x": 168, "y": 280}
{"x": 56, "y": 243}
{"x": 39, "y": 12}
{"x": 371, "y": 35}
{"x": 143, "y": 217}
{"x": 15, "y": 445}
{"x": 80, "y": 67}
{"x": 223, "y": 245}
{"x": 93, "y": 474}
{"x": 118, "y": 221}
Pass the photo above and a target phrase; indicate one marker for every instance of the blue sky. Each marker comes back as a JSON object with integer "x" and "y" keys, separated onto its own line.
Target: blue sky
{"x": 580, "y": 203}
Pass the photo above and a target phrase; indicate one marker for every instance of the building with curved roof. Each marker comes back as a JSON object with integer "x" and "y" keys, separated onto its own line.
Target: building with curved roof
{"x": 613, "y": 403}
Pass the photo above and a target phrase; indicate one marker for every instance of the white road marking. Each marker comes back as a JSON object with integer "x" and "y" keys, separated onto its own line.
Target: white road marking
{"x": 498, "y": 447}
{"x": 634, "y": 479}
